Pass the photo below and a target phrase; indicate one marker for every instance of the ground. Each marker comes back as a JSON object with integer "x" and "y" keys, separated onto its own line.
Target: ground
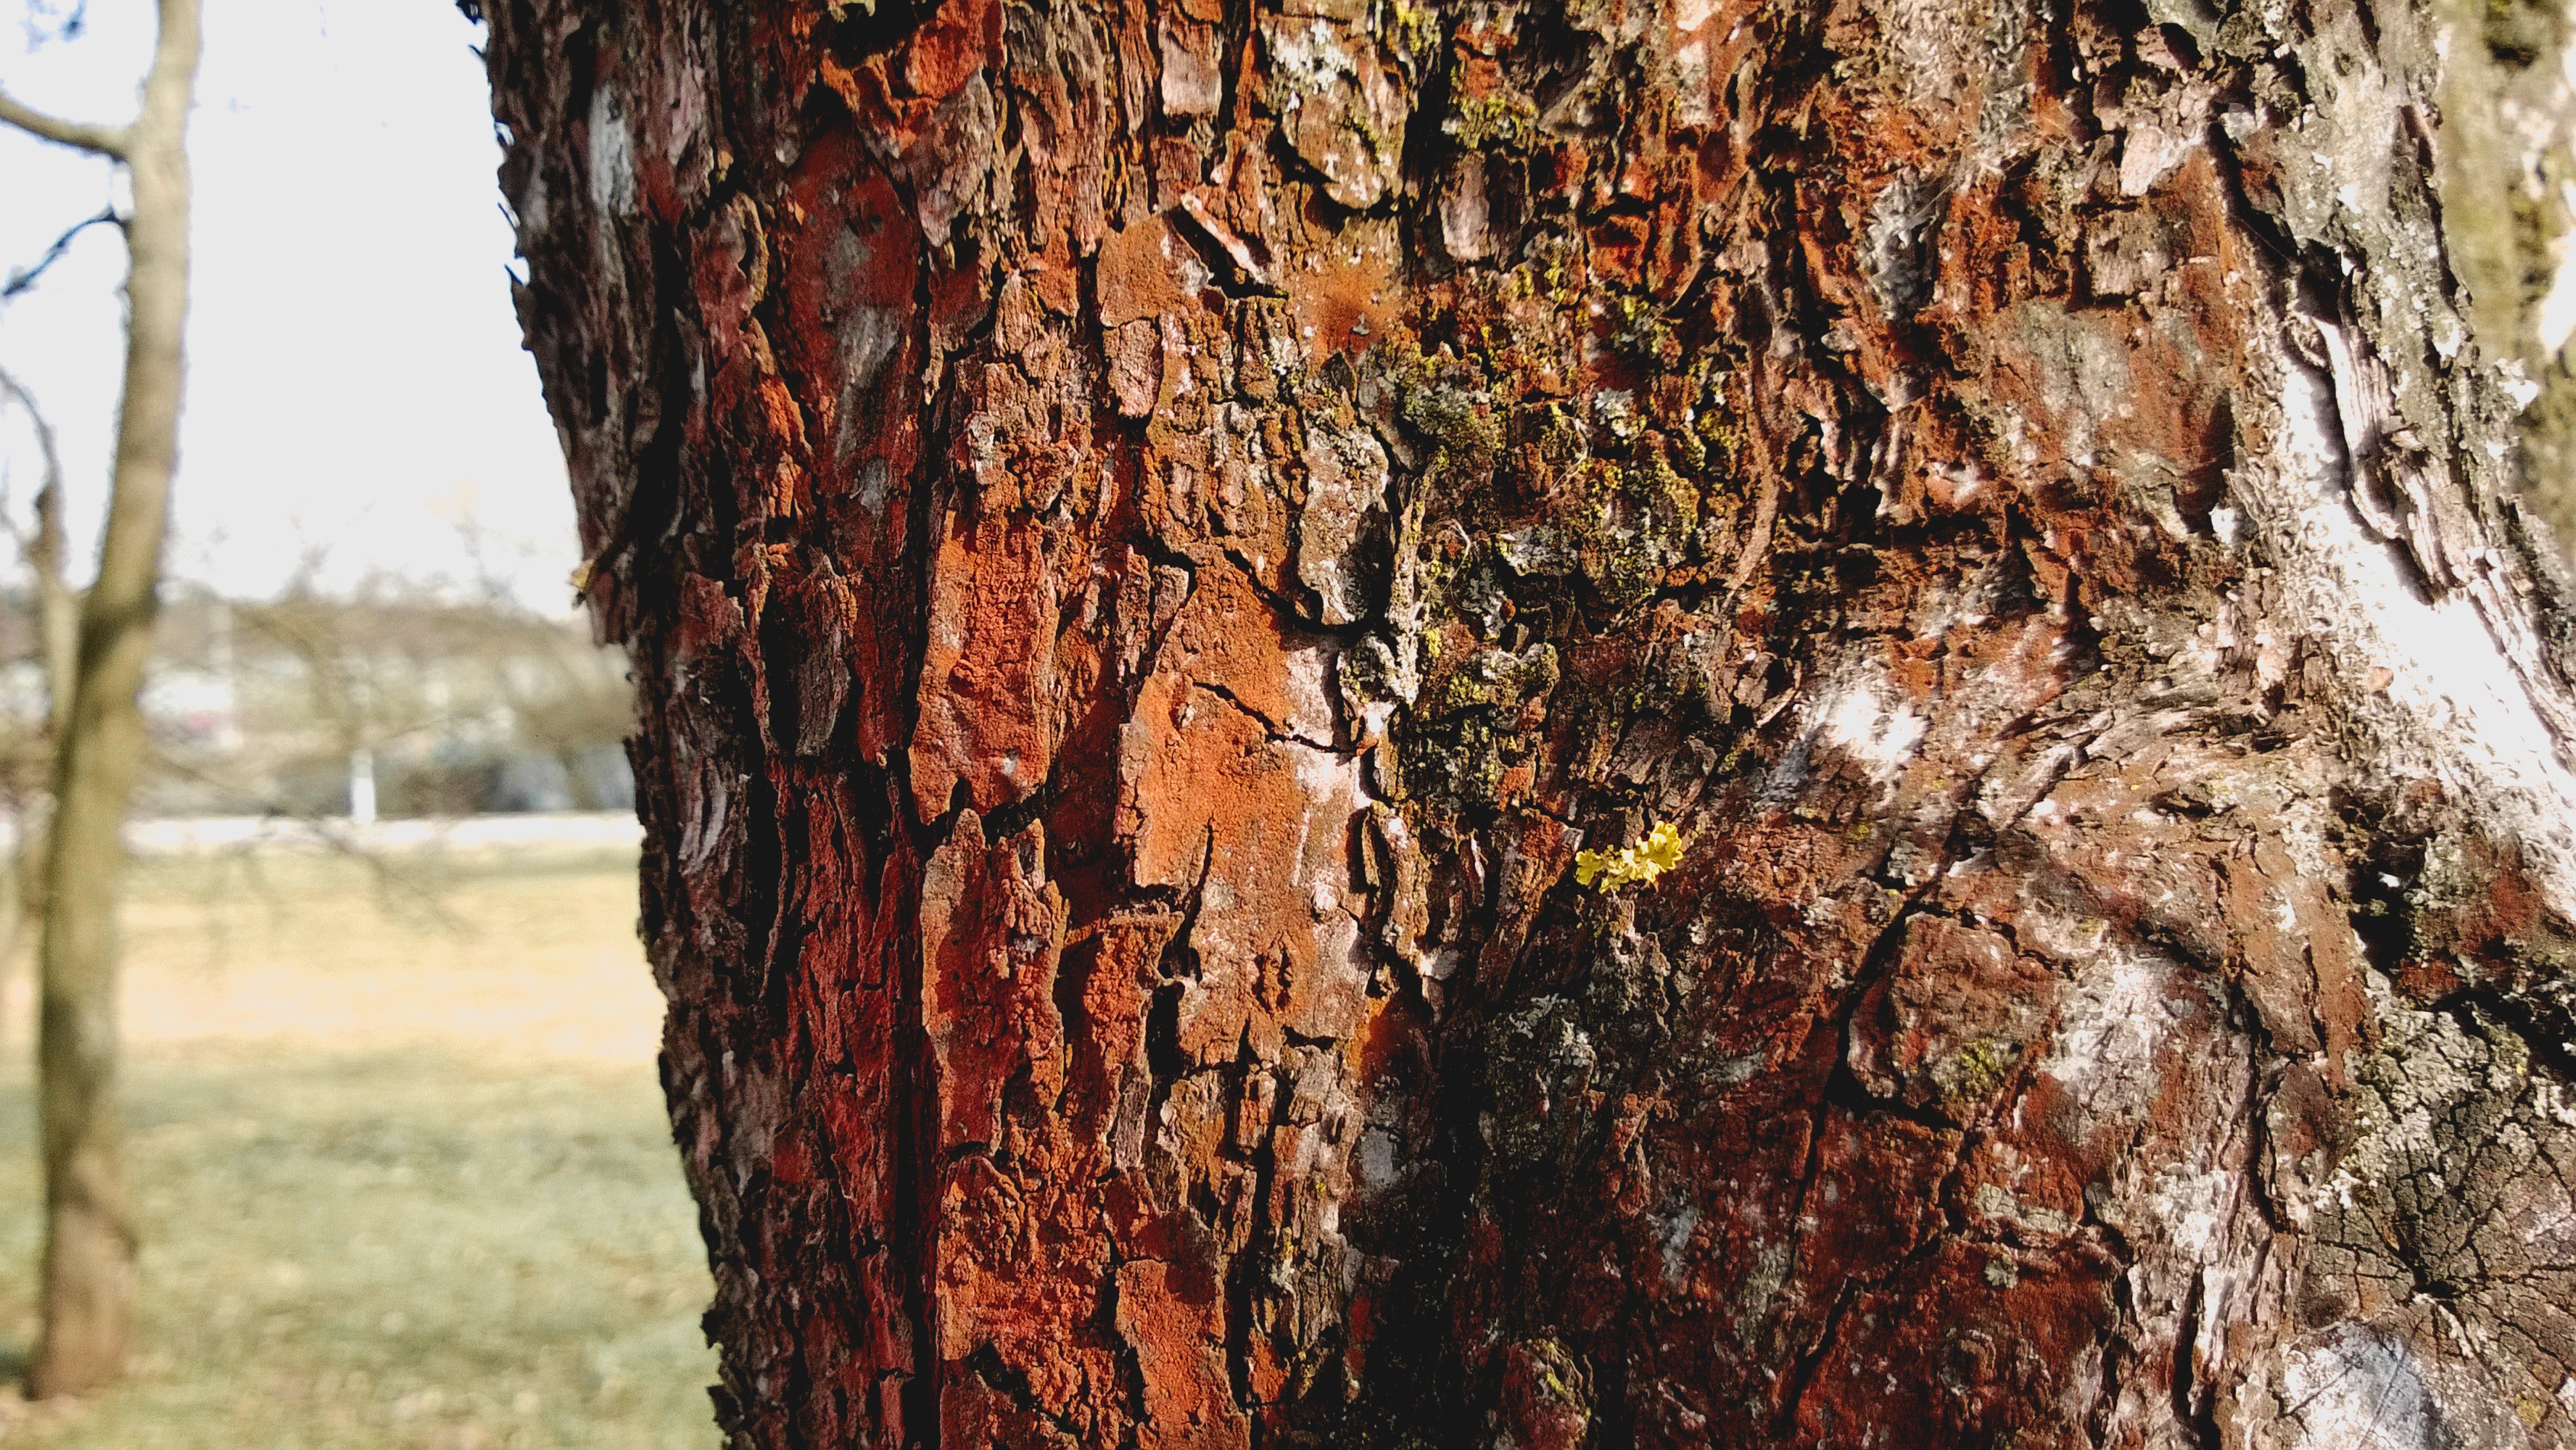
{"x": 401, "y": 1164}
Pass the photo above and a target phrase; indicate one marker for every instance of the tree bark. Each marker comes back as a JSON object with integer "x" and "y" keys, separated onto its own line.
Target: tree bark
{"x": 1169, "y": 547}
{"x": 87, "y": 1303}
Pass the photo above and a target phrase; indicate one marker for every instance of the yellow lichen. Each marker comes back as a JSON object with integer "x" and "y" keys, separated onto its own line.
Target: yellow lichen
{"x": 1660, "y": 852}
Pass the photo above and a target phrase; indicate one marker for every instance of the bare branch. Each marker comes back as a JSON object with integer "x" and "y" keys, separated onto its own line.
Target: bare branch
{"x": 16, "y": 392}
{"x": 49, "y": 493}
{"x": 99, "y": 140}
{"x": 25, "y": 277}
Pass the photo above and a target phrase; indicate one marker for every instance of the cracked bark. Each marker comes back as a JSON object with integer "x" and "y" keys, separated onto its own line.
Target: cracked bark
{"x": 1150, "y": 534}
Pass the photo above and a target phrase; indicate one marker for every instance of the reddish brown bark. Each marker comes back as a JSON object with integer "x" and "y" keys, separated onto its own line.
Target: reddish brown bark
{"x": 1152, "y": 534}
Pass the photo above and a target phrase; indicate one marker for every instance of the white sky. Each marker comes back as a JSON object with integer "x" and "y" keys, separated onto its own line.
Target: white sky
{"x": 356, "y": 389}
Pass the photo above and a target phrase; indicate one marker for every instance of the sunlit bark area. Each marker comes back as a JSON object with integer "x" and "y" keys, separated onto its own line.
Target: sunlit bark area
{"x": 1366, "y": 723}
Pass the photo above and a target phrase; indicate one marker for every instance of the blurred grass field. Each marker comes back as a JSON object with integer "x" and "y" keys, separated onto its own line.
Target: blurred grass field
{"x": 399, "y": 1162}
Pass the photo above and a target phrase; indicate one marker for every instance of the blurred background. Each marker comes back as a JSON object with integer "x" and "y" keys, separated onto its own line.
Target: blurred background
{"x": 398, "y": 1155}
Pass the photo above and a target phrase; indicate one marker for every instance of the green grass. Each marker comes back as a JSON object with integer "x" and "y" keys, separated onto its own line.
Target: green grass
{"x": 426, "y": 1230}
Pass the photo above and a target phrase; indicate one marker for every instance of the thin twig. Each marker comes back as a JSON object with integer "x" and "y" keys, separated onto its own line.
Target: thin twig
{"x": 25, "y": 278}
{"x": 45, "y": 449}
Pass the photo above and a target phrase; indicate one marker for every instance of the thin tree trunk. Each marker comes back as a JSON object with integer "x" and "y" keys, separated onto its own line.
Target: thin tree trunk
{"x": 57, "y": 605}
{"x": 1809, "y": 723}
{"x": 57, "y": 611}
{"x": 58, "y": 651}
{"x": 88, "y": 1292}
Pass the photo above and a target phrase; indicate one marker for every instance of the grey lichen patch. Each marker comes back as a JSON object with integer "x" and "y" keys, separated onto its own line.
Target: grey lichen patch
{"x": 1763, "y": 1279}
{"x": 1342, "y": 105}
{"x": 2358, "y": 1387}
{"x": 1903, "y": 242}
{"x": 1344, "y": 510}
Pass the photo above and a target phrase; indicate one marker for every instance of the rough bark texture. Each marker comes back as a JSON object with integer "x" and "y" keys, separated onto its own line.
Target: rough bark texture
{"x": 1152, "y": 534}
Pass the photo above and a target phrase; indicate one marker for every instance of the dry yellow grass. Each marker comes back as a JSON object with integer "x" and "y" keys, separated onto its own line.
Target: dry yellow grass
{"x": 528, "y": 955}
{"x": 400, "y": 1163}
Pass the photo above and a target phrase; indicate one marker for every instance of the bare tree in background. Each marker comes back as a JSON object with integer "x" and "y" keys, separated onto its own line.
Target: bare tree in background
{"x": 27, "y": 775}
{"x": 88, "y": 1291}
{"x": 462, "y": 702}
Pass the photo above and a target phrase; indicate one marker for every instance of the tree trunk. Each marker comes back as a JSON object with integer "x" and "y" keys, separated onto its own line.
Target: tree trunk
{"x": 1387, "y": 723}
{"x": 88, "y": 1296}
